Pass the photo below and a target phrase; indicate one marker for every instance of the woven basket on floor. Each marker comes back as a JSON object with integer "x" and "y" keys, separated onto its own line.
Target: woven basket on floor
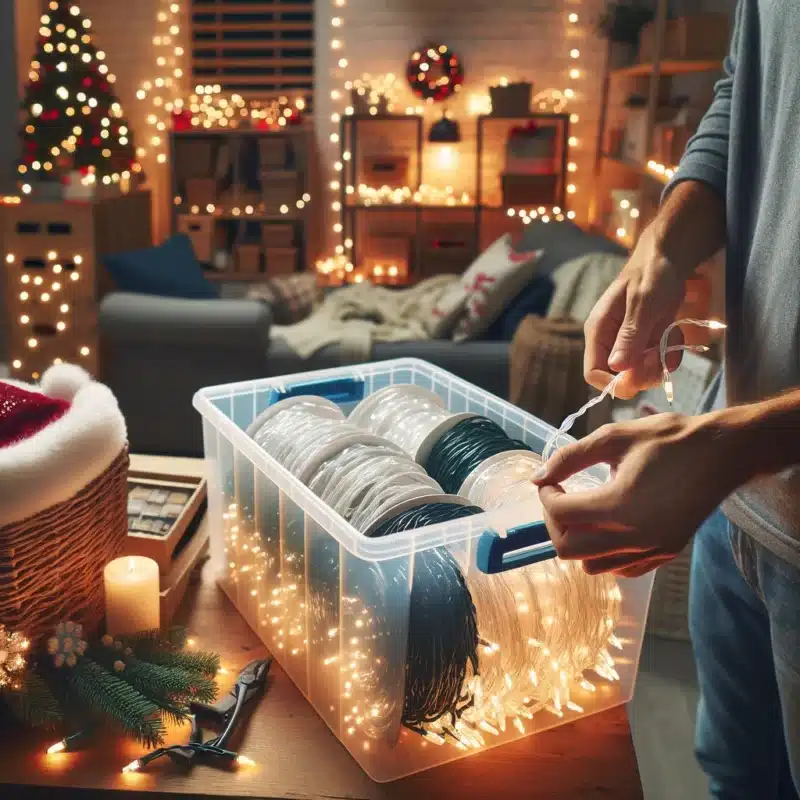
{"x": 669, "y": 603}
{"x": 546, "y": 370}
{"x": 51, "y": 564}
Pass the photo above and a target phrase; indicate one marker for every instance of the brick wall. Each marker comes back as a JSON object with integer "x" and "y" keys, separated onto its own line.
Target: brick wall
{"x": 518, "y": 39}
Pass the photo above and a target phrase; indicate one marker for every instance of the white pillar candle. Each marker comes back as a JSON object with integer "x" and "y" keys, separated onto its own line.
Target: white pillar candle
{"x": 132, "y": 595}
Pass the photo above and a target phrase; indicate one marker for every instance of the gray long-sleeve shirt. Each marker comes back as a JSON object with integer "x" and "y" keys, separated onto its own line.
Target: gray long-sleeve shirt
{"x": 748, "y": 149}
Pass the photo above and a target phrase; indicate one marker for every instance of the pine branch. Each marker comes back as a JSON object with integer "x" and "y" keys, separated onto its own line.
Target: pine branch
{"x": 34, "y": 704}
{"x": 169, "y": 687}
{"x": 105, "y": 694}
{"x": 203, "y": 663}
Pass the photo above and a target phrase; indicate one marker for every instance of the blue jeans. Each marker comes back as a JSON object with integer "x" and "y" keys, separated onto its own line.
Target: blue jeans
{"x": 744, "y": 617}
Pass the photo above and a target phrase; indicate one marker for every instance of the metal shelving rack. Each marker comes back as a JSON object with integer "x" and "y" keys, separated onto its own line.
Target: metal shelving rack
{"x": 348, "y": 137}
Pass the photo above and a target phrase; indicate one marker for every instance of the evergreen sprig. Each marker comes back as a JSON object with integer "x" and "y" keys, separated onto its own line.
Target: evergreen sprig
{"x": 206, "y": 664}
{"x": 103, "y": 693}
{"x": 34, "y": 704}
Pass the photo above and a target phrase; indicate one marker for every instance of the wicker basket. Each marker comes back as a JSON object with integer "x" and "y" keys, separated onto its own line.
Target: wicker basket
{"x": 669, "y": 604}
{"x": 51, "y": 564}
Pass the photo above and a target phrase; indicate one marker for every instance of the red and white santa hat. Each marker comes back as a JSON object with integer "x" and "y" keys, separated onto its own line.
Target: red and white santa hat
{"x": 55, "y": 438}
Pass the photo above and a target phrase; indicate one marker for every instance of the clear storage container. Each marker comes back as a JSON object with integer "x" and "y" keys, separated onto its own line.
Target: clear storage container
{"x": 334, "y": 606}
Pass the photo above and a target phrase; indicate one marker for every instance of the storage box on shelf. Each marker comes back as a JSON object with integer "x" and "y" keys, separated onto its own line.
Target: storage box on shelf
{"x": 389, "y": 169}
{"x": 511, "y": 99}
{"x": 278, "y": 235}
{"x": 280, "y": 261}
{"x": 334, "y": 606}
{"x": 248, "y": 259}
{"x": 201, "y": 231}
{"x": 253, "y": 179}
{"x": 280, "y": 190}
{"x": 54, "y": 276}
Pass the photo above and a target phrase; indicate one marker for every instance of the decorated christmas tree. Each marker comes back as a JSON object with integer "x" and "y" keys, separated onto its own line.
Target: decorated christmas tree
{"x": 75, "y": 121}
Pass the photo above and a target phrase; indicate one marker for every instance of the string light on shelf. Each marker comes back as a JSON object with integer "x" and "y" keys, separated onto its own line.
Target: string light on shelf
{"x": 660, "y": 171}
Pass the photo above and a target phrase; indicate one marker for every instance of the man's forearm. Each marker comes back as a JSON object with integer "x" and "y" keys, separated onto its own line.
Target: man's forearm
{"x": 760, "y": 438}
{"x": 689, "y": 229}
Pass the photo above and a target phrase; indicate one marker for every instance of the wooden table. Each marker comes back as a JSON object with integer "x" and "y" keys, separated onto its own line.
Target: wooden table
{"x": 297, "y": 755}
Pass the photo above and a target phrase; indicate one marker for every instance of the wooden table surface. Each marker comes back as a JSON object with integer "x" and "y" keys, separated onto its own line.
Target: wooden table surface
{"x": 297, "y": 755}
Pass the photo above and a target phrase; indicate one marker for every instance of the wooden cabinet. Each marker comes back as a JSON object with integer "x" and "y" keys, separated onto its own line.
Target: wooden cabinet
{"x": 53, "y": 258}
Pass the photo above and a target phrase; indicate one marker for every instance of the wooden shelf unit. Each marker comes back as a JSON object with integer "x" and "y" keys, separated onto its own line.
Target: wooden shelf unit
{"x": 476, "y": 223}
{"x": 232, "y": 162}
{"x": 615, "y": 172}
{"x": 669, "y": 68}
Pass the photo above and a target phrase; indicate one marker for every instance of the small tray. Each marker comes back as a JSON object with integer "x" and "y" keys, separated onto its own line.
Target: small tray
{"x": 160, "y": 514}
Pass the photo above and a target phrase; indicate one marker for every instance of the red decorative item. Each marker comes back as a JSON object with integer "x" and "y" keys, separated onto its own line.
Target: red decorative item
{"x": 181, "y": 121}
{"x": 24, "y": 413}
{"x": 87, "y": 82}
{"x": 434, "y": 73}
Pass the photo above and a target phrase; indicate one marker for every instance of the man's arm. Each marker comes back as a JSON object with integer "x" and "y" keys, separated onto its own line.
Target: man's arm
{"x": 765, "y": 435}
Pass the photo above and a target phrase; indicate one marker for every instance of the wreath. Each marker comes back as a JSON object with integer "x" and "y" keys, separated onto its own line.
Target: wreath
{"x": 434, "y": 73}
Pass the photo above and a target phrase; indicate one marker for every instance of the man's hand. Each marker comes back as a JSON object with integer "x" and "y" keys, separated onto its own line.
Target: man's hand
{"x": 669, "y": 473}
{"x": 625, "y": 327}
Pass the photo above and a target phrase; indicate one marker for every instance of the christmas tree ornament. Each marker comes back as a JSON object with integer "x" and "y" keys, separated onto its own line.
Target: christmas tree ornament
{"x": 74, "y": 118}
{"x": 66, "y": 646}
{"x": 13, "y": 657}
{"x": 434, "y": 73}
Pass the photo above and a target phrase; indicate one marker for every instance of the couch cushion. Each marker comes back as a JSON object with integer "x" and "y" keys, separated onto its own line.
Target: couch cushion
{"x": 169, "y": 270}
{"x": 533, "y": 299}
{"x": 562, "y": 242}
{"x": 473, "y": 303}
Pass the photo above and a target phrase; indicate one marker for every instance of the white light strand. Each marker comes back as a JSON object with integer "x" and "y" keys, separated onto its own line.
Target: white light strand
{"x": 164, "y": 90}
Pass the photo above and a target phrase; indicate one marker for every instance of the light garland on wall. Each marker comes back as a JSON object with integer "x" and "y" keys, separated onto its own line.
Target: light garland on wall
{"x": 660, "y": 171}
{"x": 425, "y": 195}
{"x": 164, "y": 90}
{"x": 574, "y": 73}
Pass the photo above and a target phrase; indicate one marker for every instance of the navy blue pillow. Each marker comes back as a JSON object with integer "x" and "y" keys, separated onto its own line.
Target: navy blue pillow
{"x": 533, "y": 299}
{"x": 170, "y": 270}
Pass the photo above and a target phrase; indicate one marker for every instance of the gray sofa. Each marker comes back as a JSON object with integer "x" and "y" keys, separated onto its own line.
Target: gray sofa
{"x": 157, "y": 352}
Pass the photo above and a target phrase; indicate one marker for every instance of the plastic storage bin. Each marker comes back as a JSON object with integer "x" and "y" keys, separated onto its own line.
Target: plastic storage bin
{"x": 334, "y": 606}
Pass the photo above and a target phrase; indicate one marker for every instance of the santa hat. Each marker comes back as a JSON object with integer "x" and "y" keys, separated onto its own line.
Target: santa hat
{"x": 55, "y": 439}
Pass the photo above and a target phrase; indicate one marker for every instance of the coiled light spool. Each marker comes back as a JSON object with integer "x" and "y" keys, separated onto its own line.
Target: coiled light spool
{"x": 411, "y": 416}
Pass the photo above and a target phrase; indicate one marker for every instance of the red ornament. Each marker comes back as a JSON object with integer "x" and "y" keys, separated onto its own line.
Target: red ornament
{"x": 87, "y": 82}
{"x": 96, "y": 141}
{"x": 23, "y": 414}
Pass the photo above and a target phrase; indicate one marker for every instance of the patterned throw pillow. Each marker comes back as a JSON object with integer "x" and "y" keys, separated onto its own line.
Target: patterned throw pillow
{"x": 493, "y": 280}
{"x": 292, "y": 297}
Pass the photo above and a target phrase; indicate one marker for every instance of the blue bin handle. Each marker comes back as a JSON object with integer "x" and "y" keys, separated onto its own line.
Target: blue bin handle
{"x": 339, "y": 390}
{"x": 528, "y": 544}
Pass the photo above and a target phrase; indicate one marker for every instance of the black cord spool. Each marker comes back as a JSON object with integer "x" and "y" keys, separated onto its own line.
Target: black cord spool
{"x": 443, "y": 637}
{"x": 464, "y": 447}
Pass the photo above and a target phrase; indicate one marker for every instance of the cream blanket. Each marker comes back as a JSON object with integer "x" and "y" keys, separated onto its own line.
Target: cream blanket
{"x": 356, "y": 316}
{"x": 580, "y": 283}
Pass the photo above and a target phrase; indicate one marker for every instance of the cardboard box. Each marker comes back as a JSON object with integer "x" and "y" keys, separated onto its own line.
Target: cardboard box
{"x": 274, "y": 152}
{"x": 202, "y": 192}
{"x": 280, "y": 189}
{"x": 248, "y": 259}
{"x": 530, "y": 190}
{"x": 386, "y": 170}
{"x": 277, "y": 235}
{"x": 280, "y": 261}
{"x": 699, "y": 37}
{"x": 511, "y": 100}
{"x": 201, "y": 232}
